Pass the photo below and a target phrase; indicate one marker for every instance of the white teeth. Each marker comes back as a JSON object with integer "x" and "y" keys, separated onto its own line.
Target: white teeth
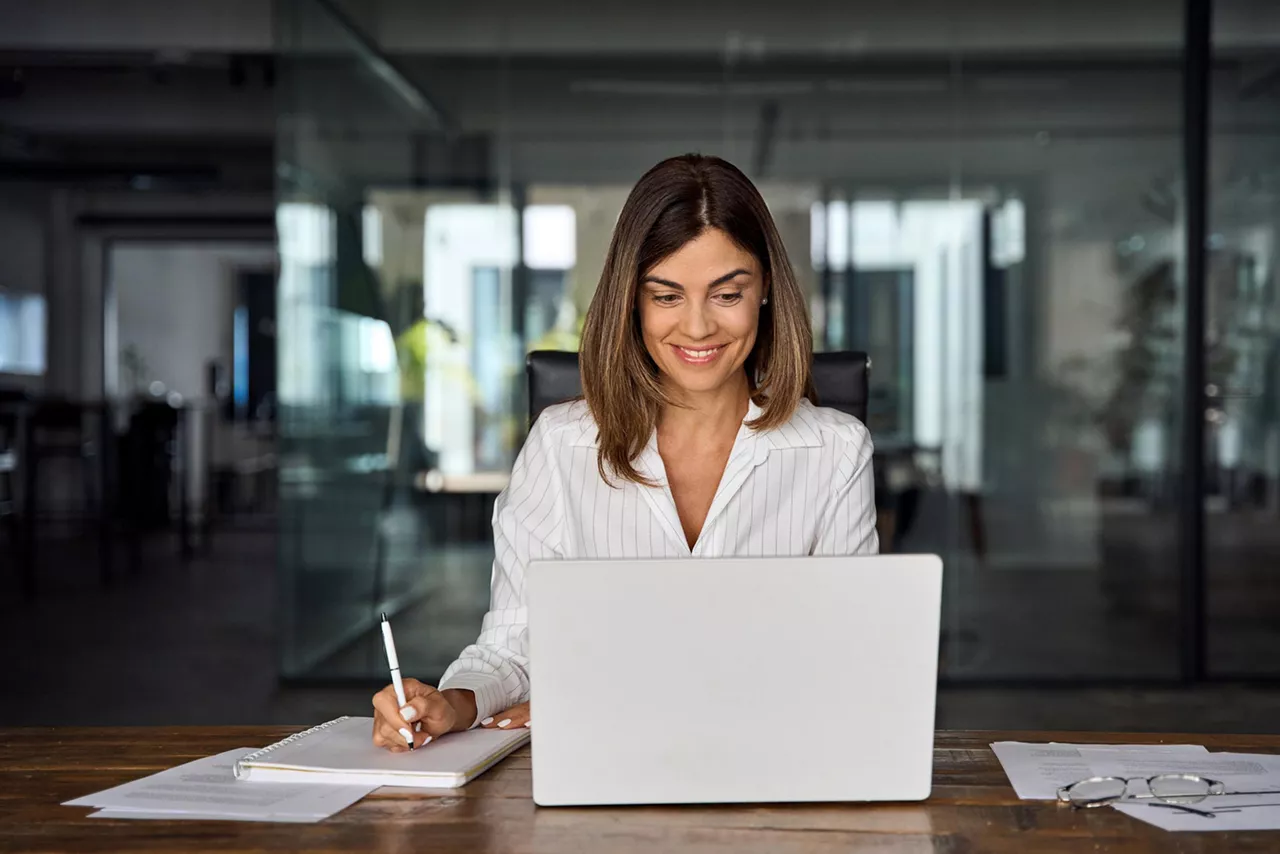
{"x": 698, "y": 354}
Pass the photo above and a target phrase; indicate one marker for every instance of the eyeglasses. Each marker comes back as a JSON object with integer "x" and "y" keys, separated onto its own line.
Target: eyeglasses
{"x": 1172, "y": 789}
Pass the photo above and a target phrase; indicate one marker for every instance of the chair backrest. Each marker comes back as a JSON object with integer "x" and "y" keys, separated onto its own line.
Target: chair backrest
{"x": 840, "y": 379}
{"x": 552, "y": 377}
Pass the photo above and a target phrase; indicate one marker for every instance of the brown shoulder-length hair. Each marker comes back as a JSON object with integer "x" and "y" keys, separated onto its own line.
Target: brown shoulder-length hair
{"x": 672, "y": 204}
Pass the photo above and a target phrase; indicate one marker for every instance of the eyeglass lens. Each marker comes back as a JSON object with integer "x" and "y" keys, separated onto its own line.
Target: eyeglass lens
{"x": 1179, "y": 788}
{"x": 1172, "y": 788}
{"x": 1090, "y": 791}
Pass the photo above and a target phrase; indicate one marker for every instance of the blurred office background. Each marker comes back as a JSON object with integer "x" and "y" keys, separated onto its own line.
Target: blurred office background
{"x": 268, "y": 275}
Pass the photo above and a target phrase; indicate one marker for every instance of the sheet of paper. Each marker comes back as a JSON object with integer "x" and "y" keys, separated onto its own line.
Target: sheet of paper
{"x": 161, "y": 816}
{"x": 1245, "y": 772}
{"x": 1037, "y": 771}
{"x": 1244, "y": 812}
{"x": 207, "y": 788}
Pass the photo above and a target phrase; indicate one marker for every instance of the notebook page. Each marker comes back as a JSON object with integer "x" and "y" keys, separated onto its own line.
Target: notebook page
{"x": 347, "y": 746}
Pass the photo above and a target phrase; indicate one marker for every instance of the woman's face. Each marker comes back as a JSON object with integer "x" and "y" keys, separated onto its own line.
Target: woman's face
{"x": 699, "y": 312}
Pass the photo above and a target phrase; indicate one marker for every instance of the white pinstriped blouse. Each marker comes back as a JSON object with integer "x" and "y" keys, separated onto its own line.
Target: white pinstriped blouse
{"x": 804, "y": 488}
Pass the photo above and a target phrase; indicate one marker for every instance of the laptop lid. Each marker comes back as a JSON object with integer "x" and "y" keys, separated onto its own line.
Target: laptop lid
{"x": 733, "y": 680}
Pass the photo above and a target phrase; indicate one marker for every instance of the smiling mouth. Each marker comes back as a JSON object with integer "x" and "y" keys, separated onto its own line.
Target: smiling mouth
{"x": 699, "y": 356}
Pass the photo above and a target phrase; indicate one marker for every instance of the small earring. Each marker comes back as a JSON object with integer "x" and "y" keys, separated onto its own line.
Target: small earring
{"x": 764, "y": 301}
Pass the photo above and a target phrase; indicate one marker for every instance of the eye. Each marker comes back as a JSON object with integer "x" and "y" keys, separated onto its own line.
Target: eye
{"x": 729, "y": 298}
{"x": 666, "y": 299}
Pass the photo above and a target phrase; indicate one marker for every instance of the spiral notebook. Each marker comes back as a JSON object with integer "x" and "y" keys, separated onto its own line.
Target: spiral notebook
{"x": 342, "y": 752}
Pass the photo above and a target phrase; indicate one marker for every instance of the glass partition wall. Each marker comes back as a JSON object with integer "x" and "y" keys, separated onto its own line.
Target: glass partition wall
{"x": 1242, "y": 345}
{"x": 1000, "y": 225}
{"x": 356, "y": 537}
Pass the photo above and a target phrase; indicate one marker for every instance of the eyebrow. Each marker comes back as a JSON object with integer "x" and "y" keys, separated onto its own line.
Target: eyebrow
{"x": 720, "y": 281}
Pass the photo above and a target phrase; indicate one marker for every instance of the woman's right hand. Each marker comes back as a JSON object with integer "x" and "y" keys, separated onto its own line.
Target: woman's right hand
{"x": 427, "y": 713}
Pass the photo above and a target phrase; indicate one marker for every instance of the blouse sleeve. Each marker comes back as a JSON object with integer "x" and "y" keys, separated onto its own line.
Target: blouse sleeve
{"x": 527, "y": 520}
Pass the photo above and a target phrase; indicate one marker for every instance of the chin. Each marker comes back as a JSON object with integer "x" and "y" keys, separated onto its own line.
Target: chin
{"x": 693, "y": 380}
{"x": 697, "y": 386}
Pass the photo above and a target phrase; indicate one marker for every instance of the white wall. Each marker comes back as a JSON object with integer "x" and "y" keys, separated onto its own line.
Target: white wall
{"x": 75, "y": 264}
{"x": 175, "y": 304}
{"x": 459, "y": 239}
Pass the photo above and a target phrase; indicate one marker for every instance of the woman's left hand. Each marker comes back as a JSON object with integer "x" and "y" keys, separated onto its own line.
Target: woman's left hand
{"x": 513, "y": 718}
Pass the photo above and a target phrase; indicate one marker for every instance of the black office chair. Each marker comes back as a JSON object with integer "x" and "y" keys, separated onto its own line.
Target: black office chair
{"x": 840, "y": 379}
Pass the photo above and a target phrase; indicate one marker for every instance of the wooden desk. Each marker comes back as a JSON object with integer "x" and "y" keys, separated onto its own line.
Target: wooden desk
{"x": 972, "y": 808}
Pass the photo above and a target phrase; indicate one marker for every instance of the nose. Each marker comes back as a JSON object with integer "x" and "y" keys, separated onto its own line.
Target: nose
{"x": 697, "y": 322}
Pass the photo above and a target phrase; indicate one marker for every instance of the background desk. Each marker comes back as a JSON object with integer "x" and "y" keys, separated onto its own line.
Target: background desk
{"x": 972, "y": 808}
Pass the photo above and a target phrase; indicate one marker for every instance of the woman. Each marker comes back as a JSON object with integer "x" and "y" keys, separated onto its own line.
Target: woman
{"x": 697, "y": 434}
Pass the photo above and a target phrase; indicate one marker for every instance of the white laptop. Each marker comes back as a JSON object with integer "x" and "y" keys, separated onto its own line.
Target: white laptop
{"x": 733, "y": 680}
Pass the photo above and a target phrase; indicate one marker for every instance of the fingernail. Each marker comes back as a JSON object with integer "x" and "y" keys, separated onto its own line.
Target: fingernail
{"x": 417, "y": 727}
{"x": 426, "y": 741}
{"x": 408, "y": 713}
{"x": 486, "y": 722}
{"x": 501, "y": 724}
{"x": 528, "y": 724}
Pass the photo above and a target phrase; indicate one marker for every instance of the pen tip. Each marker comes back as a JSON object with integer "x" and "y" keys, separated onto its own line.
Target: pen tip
{"x": 384, "y": 616}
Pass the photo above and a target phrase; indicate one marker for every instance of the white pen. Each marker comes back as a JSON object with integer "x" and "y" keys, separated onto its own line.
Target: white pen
{"x": 394, "y": 663}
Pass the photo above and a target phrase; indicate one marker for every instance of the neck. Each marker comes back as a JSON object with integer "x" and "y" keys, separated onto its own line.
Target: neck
{"x": 706, "y": 415}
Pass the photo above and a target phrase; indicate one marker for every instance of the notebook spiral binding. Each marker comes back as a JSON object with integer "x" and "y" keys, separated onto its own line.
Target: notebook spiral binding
{"x": 297, "y": 736}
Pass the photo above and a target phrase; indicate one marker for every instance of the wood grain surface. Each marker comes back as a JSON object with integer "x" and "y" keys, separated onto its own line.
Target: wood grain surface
{"x": 972, "y": 808}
